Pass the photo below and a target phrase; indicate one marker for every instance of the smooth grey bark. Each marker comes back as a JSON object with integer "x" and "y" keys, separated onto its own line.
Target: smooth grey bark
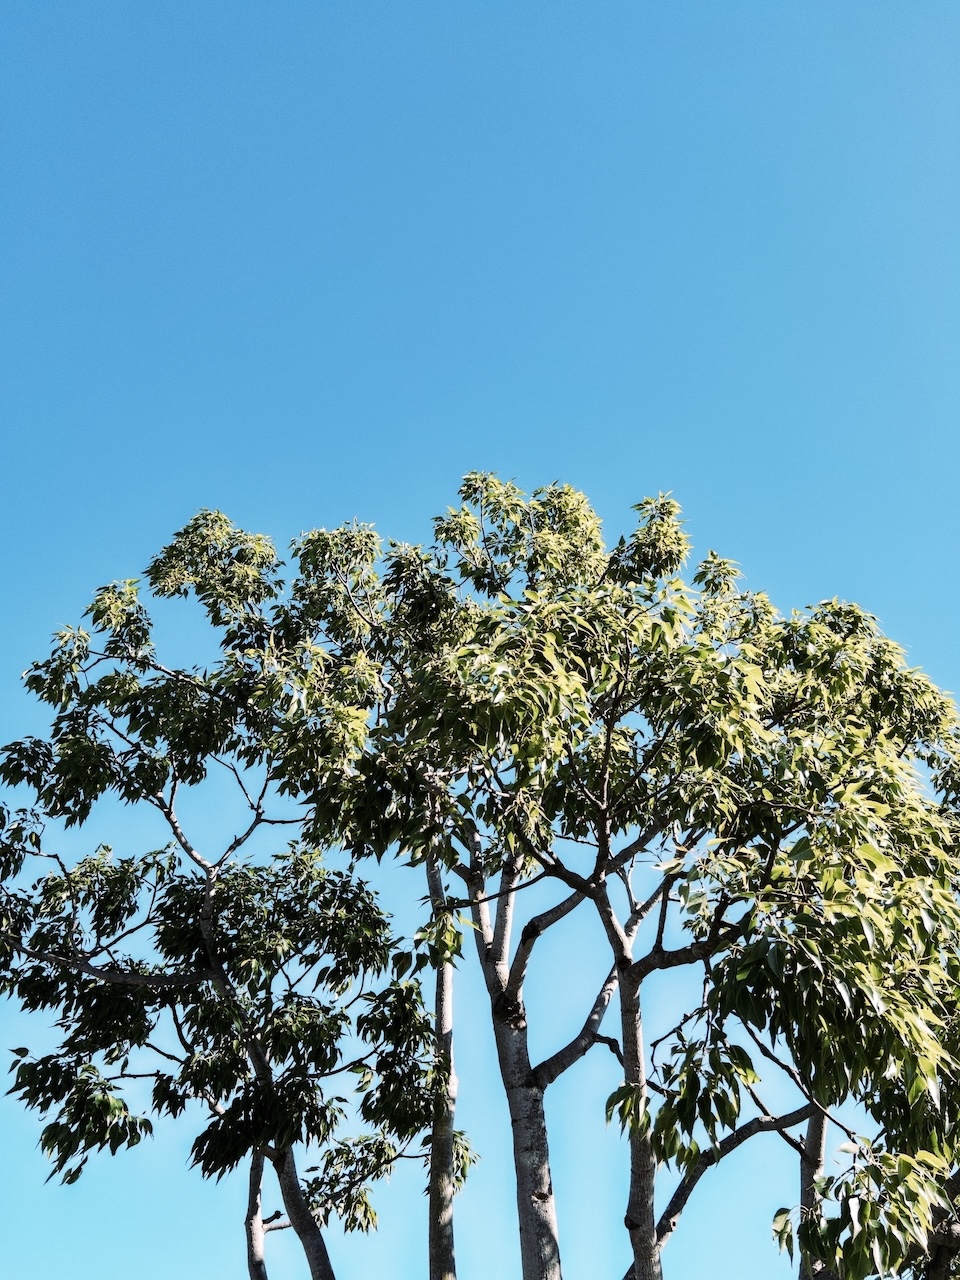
{"x": 253, "y": 1223}
{"x": 589, "y": 1035}
{"x": 811, "y": 1162}
{"x": 536, "y": 1205}
{"x": 525, "y": 1086}
{"x": 759, "y": 1124}
{"x": 442, "y": 1186}
{"x": 539, "y": 1235}
{"x": 640, "y": 1218}
{"x": 811, "y": 1168}
{"x": 301, "y": 1219}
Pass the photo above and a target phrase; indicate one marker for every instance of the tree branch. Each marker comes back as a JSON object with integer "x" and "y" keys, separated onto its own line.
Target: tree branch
{"x": 253, "y": 1222}
{"x": 760, "y": 1124}
{"x": 158, "y": 981}
{"x": 587, "y": 1037}
{"x": 166, "y": 808}
{"x": 503, "y": 920}
{"x": 589, "y": 1034}
{"x": 530, "y": 933}
{"x": 690, "y": 954}
{"x": 795, "y": 1077}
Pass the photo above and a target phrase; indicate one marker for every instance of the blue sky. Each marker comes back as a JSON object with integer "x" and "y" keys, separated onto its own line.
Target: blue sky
{"x": 311, "y": 261}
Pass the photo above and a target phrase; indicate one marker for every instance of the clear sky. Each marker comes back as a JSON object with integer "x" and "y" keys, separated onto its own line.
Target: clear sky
{"x": 305, "y": 261}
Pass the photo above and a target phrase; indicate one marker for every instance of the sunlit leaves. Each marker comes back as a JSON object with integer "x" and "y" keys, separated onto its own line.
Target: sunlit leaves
{"x": 875, "y": 1215}
{"x": 786, "y": 789}
{"x": 231, "y": 572}
{"x": 657, "y": 548}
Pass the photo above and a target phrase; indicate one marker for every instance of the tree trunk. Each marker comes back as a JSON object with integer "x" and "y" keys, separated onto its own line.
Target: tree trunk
{"x": 301, "y": 1219}
{"x": 256, "y": 1264}
{"x": 640, "y": 1219}
{"x": 442, "y": 1181}
{"x": 536, "y": 1207}
{"x": 539, "y": 1237}
{"x": 811, "y": 1168}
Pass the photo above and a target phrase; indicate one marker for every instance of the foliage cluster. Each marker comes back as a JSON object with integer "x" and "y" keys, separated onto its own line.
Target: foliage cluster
{"x": 768, "y": 801}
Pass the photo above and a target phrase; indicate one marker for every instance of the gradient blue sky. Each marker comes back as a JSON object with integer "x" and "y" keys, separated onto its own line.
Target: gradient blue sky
{"x": 305, "y": 261}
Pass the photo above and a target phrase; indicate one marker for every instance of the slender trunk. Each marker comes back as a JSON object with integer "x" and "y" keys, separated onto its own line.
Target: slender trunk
{"x": 301, "y": 1219}
{"x": 539, "y": 1237}
{"x": 536, "y": 1207}
{"x": 811, "y": 1168}
{"x": 442, "y": 1180}
{"x": 640, "y": 1219}
{"x": 811, "y": 1162}
{"x": 256, "y": 1265}
{"x": 294, "y": 1201}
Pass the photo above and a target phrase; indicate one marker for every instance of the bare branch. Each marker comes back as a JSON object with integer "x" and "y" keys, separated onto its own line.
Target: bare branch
{"x": 635, "y": 846}
{"x": 789, "y": 1139}
{"x": 181, "y": 1034}
{"x": 503, "y": 921}
{"x": 241, "y": 839}
{"x": 554, "y": 867}
{"x": 166, "y": 808}
{"x": 162, "y": 1053}
{"x": 459, "y": 904}
{"x": 664, "y": 907}
{"x": 530, "y": 933}
{"x": 232, "y": 768}
{"x": 718, "y": 937}
{"x": 588, "y": 1036}
{"x": 760, "y": 1124}
{"x": 122, "y": 977}
{"x": 797, "y": 1080}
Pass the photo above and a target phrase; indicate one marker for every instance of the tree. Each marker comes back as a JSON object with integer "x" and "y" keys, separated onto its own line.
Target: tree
{"x": 247, "y": 989}
{"x": 766, "y": 802}
{"x": 773, "y": 800}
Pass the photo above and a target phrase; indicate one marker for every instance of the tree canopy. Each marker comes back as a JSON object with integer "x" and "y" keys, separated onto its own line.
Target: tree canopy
{"x": 768, "y": 802}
